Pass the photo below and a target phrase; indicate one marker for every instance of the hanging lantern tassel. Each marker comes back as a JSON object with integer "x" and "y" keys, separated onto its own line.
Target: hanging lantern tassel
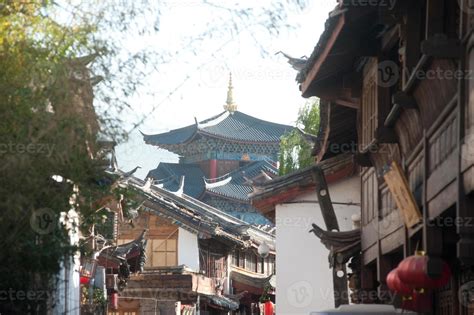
{"x": 407, "y": 303}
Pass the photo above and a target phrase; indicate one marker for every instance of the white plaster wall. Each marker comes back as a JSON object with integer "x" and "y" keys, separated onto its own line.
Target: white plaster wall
{"x": 67, "y": 295}
{"x": 304, "y": 280}
{"x": 188, "y": 250}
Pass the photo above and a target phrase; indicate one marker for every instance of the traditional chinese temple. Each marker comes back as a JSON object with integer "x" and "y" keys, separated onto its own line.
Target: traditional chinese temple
{"x": 220, "y": 158}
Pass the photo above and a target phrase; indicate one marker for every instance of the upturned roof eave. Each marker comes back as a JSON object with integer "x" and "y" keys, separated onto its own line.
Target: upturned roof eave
{"x": 195, "y": 214}
{"x": 197, "y": 130}
{"x": 287, "y": 188}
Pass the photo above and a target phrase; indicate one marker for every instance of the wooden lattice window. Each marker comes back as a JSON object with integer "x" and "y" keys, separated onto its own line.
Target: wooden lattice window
{"x": 241, "y": 260}
{"x": 444, "y": 299}
{"x": 387, "y": 202}
{"x": 369, "y": 113}
{"x": 369, "y": 196}
{"x": 260, "y": 265}
{"x": 251, "y": 263}
{"x": 164, "y": 252}
{"x": 271, "y": 265}
{"x": 235, "y": 258}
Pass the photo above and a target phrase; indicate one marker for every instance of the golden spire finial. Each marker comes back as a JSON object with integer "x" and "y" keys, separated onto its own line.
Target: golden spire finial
{"x": 230, "y": 105}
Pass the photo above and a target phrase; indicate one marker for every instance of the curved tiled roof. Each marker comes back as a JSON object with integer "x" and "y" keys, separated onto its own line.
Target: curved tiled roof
{"x": 238, "y": 188}
{"x": 196, "y": 216}
{"x": 169, "y": 175}
{"x": 176, "y": 136}
{"x": 235, "y": 126}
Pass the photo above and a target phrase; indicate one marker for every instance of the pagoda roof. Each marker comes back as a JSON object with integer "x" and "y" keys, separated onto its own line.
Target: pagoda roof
{"x": 168, "y": 176}
{"x": 235, "y": 127}
{"x": 234, "y": 186}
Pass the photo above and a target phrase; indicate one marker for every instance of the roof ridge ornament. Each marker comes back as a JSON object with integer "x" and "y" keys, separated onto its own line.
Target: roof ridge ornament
{"x": 230, "y": 105}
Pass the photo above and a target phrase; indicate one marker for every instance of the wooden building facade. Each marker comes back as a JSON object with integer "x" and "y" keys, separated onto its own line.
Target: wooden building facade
{"x": 198, "y": 258}
{"x": 403, "y": 70}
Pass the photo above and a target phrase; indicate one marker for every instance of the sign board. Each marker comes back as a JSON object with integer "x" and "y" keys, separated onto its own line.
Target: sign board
{"x": 401, "y": 193}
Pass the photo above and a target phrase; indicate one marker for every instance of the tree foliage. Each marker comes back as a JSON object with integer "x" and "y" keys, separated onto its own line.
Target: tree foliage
{"x": 49, "y": 153}
{"x": 295, "y": 151}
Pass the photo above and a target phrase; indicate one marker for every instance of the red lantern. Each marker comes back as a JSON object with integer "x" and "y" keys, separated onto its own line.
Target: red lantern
{"x": 268, "y": 308}
{"x": 396, "y": 285}
{"x": 113, "y": 300}
{"x": 85, "y": 280}
{"x": 87, "y": 270}
{"x": 413, "y": 272}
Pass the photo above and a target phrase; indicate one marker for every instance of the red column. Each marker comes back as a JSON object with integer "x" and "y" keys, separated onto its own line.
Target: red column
{"x": 212, "y": 168}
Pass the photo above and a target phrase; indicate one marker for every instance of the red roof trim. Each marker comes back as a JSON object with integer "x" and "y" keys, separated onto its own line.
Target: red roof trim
{"x": 268, "y": 204}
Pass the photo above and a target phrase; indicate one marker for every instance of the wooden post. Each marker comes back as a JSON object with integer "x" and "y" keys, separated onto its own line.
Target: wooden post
{"x": 212, "y": 168}
{"x": 465, "y": 204}
{"x": 340, "y": 281}
{"x": 434, "y": 17}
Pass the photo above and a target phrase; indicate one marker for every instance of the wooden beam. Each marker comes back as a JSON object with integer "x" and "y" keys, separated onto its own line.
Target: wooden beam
{"x": 340, "y": 94}
{"x": 324, "y": 200}
{"x": 347, "y": 103}
{"x": 330, "y": 219}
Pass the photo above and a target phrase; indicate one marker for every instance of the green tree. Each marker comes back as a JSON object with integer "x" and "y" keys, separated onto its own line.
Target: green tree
{"x": 52, "y": 53}
{"x": 295, "y": 151}
{"x": 50, "y": 158}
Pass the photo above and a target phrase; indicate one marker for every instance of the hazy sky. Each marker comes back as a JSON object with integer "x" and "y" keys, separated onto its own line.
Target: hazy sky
{"x": 264, "y": 85}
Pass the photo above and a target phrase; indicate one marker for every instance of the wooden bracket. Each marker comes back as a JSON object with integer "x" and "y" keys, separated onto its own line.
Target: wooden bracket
{"x": 330, "y": 219}
{"x": 324, "y": 200}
